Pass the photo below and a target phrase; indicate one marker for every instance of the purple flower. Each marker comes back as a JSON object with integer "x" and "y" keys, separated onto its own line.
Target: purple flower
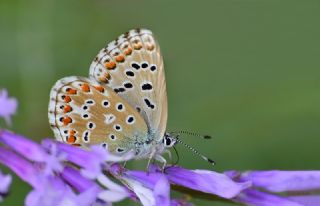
{"x": 284, "y": 181}
{"x": 55, "y": 192}
{"x": 155, "y": 183}
{"x": 258, "y": 198}
{"x": 206, "y": 181}
{"x": 61, "y": 174}
{"x": 180, "y": 202}
{"x": 8, "y": 106}
{"x": 54, "y": 182}
{"x": 306, "y": 200}
{"x": 288, "y": 182}
{"x": 5, "y": 182}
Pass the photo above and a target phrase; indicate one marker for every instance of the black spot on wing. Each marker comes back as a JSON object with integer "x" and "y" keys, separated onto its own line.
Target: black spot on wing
{"x": 135, "y": 65}
{"x": 146, "y": 86}
{"x": 130, "y": 73}
{"x": 148, "y": 103}
{"x": 119, "y": 90}
{"x": 128, "y": 85}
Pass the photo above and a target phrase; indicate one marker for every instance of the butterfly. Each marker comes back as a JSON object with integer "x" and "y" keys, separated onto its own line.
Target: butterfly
{"x": 122, "y": 106}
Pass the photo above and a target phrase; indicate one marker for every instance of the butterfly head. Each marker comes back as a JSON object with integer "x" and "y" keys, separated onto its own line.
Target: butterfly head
{"x": 169, "y": 140}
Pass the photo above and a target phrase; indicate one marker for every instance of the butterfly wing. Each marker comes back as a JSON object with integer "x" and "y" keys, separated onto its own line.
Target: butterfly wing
{"x": 83, "y": 112}
{"x": 132, "y": 66}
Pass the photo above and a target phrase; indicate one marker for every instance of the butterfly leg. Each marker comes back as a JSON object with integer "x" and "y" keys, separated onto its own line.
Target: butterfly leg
{"x": 169, "y": 154}
{"x": 150, "y": 159}
{"x": 161, "y": 160}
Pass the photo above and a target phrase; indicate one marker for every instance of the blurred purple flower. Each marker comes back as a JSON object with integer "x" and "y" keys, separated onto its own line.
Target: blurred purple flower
{"x": 289, "y": 183}
{"x": 284, "y": 181}
{"x": 206, "y": 181}
{"x": 5, "y": 182}
{"x": 61, "y": 174}
{"x": 8, "y": 106}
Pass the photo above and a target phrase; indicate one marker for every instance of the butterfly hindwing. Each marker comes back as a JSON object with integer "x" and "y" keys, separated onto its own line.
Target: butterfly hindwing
{"x": 83, "y": 112}
{"x": 132, "y": 66}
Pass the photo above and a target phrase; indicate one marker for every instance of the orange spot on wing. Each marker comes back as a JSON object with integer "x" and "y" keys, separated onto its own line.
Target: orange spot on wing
{"x": 137, "y": 46}
{"x": 67, "y": 120}
{"x": 120, "y": 58}
{"x": 71, "y": 91}
{"x": 67, "y": 109}
{"x": 67, "y": 99}
{"x": 150, "y": 47}
{"x": 71, "y": 139}
{"x": 128, "y": 51}
{"x": 77, "y": 145}
{"x": 106, "y": 77}
{"x": 72, "y": 132}
{"x": 110, "y": 65}
{"x": 85, "y": 88}
{"x": 99, "y": 88}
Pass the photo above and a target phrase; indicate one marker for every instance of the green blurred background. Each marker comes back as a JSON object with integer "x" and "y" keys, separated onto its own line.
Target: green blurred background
{"x": 245, "y": 71}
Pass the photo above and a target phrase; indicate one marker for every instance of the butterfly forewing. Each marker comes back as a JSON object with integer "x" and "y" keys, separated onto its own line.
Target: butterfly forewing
{"x": 132, "y": 66}
{"x": 82, "y": 112}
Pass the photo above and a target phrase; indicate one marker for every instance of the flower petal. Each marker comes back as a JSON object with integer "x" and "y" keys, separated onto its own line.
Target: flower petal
{"x": 106, "y": 182}
{"x": 180, "y": 202}
{"x": 257, "y": 198}
{"x": 144, "y": 194}
{"x": 206, "y": 181}
{"x": 76, "y": 180}
{"x": 23, "y": 146}
{"x": 161, "y": 192}
{"x": 306, "y": 200}
{"x": 54, "y": 192}
{"x": 5, "y": 182}
{"x": 155, "y": 181}
{"x": 112, "y": 195}
{"x": 281, "y": 181}
{"x": 147, "y": 179}
{"x": 89, "y": 161}
{"x": 24, "y": 169}
{"x": 8, "y": 106}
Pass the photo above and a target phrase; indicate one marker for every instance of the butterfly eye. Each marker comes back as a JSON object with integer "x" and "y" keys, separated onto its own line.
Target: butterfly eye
{"x": 169, "y": 142}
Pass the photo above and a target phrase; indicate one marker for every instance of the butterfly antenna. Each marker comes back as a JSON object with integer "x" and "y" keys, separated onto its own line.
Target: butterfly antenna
{"x": 196, "y": 152}
{"x": 193, "y": 134}
{"x": 178, "y": 157}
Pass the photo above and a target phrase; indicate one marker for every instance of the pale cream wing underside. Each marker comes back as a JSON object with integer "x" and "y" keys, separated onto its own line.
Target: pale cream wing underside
{"x": 82, "y": 112}
{"x": 132, "y": 66}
